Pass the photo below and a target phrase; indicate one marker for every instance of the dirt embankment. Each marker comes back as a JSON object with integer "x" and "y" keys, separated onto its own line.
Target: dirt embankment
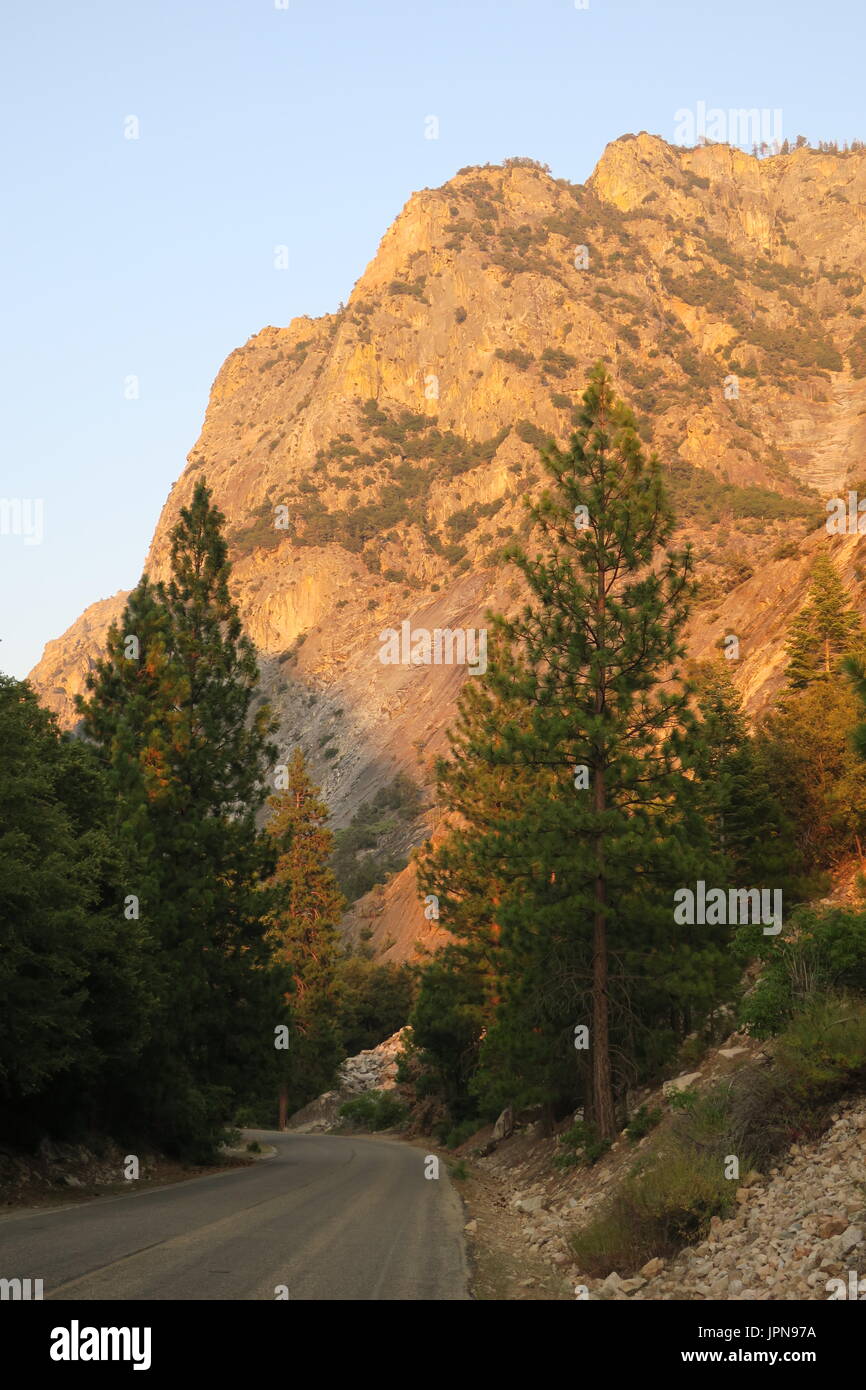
{"x": 57, "y": 1174}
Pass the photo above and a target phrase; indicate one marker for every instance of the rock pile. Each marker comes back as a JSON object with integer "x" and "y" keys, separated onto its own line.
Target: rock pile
{"x": 372, "y": 1070}
{"x": 57, "y": 1165}
{"x": 791, "y": 1236}
{"x": 798, "y": 1232}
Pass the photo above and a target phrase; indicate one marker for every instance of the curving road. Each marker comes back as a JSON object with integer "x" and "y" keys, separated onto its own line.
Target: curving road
{"x": 327, "y": 1217}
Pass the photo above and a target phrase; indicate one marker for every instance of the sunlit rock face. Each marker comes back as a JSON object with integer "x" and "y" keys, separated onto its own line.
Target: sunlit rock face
{"x": 372, "y": 463}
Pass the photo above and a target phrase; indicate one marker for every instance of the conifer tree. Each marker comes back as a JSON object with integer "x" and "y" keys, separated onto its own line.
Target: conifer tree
{"x": 600, "y": 640}
{"x": 824, "y": 631}
{"x": 171, "y": 713}
{"x": 476, "y": 980}
{"x": 805, "y": 747}
{"x": 805, "y": 743}
{"x": 751, "y": 834}
{"x": 306, "y": 912}
{"x": 597, "y": 820}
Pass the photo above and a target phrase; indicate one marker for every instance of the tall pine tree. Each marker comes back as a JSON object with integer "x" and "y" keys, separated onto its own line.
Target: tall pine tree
{"x": 171, "y": 712}
{"x": 805, "y": 742}
{"x": 306, "y": 911}
{"x": 596, "y": 820}
{"x": 600, "y": 640}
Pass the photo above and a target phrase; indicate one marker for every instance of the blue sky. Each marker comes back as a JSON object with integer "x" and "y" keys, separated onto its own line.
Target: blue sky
{"x": 301, "y": 126}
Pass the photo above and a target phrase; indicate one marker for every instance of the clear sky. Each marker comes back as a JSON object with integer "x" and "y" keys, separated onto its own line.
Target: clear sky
{"x": 303, "y": 126}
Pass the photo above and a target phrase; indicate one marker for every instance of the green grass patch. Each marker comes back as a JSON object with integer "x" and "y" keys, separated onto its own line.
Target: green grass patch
{"x": 375, "y": 1110}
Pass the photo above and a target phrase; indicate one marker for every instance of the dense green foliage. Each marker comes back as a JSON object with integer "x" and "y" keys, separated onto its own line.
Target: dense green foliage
{"x": 170, "y": 715}
{"x": 373, "y": 999}
{"x": 374, "y": 1110}
{"x": 141, "y": 975}
{"x": 557, "y": 890}
{"x": 75, "y": 978}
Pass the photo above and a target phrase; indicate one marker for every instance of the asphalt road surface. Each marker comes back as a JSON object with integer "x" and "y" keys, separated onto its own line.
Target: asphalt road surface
{"x": 327, "y": 1217}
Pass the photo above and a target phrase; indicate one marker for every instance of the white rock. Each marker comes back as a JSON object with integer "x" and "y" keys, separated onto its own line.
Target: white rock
{"x": 504, "y": 1125}
{"x": 530, "y": 1204}
{"x": 681, "y": 1083}
{"x": 853, "y": 1236}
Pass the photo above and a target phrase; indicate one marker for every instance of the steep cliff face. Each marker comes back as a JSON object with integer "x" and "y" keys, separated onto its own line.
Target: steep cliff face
{"x": 372, "y": 463}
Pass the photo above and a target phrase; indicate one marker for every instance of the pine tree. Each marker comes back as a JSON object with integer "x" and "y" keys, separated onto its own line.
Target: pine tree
{"x": 304, "y": 920}
{"x": 807, "y": 739}
{"x": 751, "y": 834}
{"x": 824, "y": 631}
{"x": 855, "y": 669}
{"x": 595, "y": 819}
{"x": 601, "y": 647}
{"x": 482, "y": 1057}
{"x": 171, "y": 715}
{"x": 805, "y": 747}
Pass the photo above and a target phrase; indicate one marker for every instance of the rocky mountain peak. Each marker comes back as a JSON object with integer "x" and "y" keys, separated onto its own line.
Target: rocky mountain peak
{"x": 372, "y": 463}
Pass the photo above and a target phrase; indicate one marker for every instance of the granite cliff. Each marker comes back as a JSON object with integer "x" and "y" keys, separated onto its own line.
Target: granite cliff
{"x": 372, "y": 463}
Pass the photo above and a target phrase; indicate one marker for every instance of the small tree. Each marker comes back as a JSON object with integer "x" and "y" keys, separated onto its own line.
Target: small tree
{"x": 751, "y": 834}
{"x": 304, "y": 920}
{"x": 824, "y": 631}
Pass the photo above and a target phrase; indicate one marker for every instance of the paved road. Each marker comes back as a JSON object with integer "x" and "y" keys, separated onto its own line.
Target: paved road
{"x": 329, "y": 1217}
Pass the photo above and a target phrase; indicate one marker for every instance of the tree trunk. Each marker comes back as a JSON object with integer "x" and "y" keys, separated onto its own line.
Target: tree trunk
{"x": 604, "y": 1117}
{"x": 603, "y": 1114}
{"x": 284, "y": 1106}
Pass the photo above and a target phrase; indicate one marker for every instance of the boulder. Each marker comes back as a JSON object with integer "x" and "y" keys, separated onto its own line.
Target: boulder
{"x": 504, "y": 1125}
{"x": 531, "y": 1204}
{"x": 849, "y": 1239}
{"x": 681, "y": 1083}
